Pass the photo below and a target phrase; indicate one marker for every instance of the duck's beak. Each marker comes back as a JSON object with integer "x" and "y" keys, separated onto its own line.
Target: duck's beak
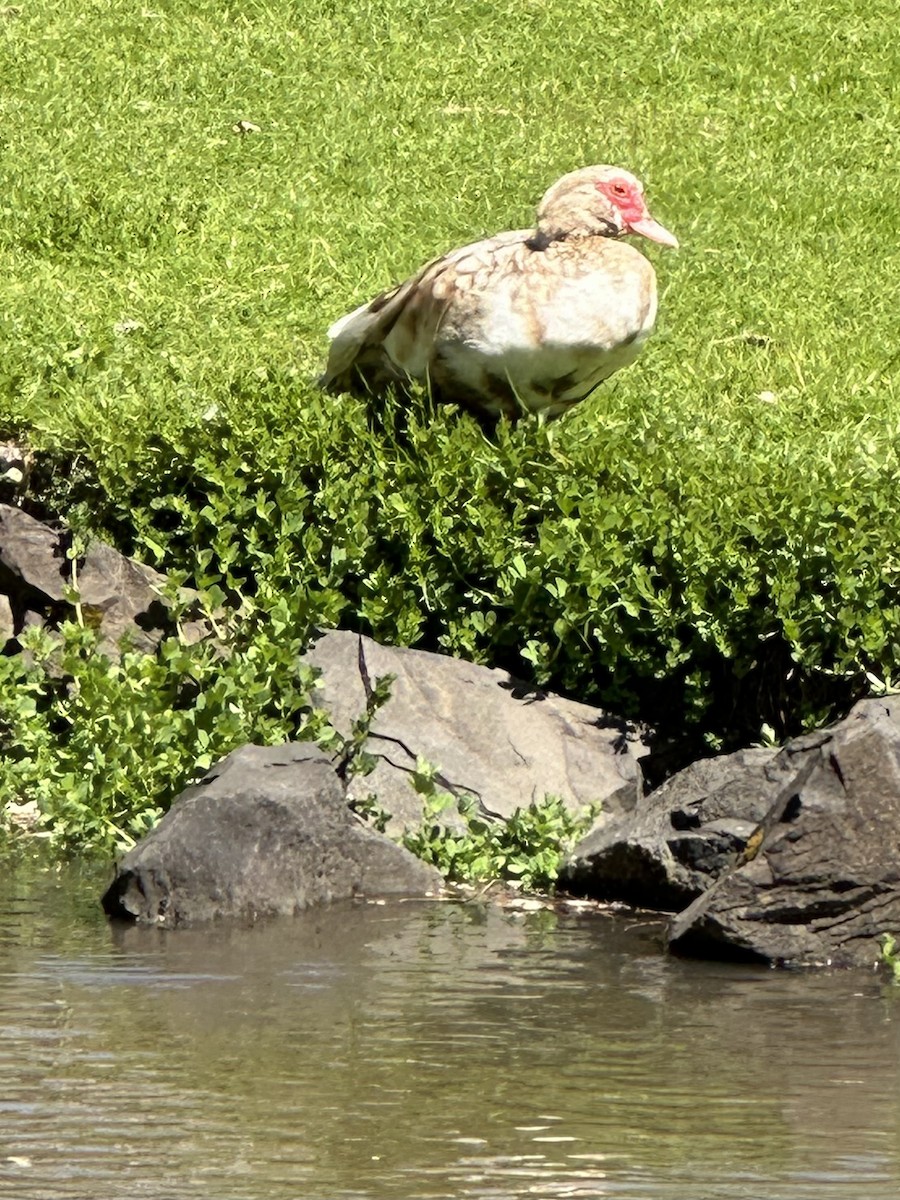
{"x": 651, "y": 229}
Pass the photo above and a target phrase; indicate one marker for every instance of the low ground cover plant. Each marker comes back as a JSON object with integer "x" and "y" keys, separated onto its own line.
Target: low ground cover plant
{"x": 711, "y": 545}
{"x": 526, "y": 850}
{"x": 95, "y": 748}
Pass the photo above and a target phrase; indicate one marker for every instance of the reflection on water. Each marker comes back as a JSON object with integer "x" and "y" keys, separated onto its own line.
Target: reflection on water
{"x": 424, "y": 1052}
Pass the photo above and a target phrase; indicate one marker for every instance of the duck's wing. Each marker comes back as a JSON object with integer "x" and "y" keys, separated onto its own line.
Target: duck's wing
{"x": 411, "y": 312}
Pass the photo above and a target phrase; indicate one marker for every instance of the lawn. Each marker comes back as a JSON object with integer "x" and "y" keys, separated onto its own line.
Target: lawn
{"x": 710, "y": 543}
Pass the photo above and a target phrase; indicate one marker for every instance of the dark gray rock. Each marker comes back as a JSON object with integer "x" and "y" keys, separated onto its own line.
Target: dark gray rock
{"x": 784, "y": 857}
{"x": 267, "y": 831}
{"x": 820, "y": 878}
{"x": 491, "y": 737}
{"x": 117, "y": 595}
{"x": 679, "y": 838}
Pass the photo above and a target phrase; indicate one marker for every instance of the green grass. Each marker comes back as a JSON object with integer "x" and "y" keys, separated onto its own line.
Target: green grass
{"x": 685, "y": 549}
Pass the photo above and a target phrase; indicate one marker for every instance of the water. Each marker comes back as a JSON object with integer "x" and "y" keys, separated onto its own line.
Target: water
{"x": 426, "y": 1052}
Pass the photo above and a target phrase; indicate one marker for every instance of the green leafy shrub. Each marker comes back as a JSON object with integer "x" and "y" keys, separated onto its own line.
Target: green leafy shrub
{"x": 101, "y": 746}
{"x": 600, "y": 573}
{"x": 889, "y": 956}
{"x": 528, "y": 848}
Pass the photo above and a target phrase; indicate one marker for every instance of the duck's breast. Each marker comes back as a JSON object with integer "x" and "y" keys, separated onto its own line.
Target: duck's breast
{"x": 602, "y": 298}
{"x": 595, "y": 295}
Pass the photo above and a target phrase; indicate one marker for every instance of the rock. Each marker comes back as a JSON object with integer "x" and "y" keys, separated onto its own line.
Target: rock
{"x": 117, "y": 595}
{"x": 267, "y": 831}
{"x": 7, "y": 624}
{"x": 491, "y": 737}
{"x": 781, "y": 856}
{"x": 15, "y": 468}
{"x": 820, "y": 879}
{"x": 679, "y": 838}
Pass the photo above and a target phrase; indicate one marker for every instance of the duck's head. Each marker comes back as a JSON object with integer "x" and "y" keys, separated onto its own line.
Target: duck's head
{"x": 605, "y": 201}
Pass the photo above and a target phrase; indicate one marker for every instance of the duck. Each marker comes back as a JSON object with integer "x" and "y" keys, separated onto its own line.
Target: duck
{"x": 529, "y": 321}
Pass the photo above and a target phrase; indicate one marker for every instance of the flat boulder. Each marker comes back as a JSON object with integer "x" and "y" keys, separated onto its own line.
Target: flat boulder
{"x": 267, "y": 831}
{"x": 492, "y": 738}
{"x": 819, "y": 879}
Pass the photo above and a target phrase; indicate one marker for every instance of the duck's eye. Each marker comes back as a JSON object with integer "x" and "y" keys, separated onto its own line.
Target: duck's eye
{"x": 618, "y": 189}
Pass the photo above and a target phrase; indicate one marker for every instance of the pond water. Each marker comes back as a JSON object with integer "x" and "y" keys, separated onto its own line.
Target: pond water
{"x": 424, "y": 1052}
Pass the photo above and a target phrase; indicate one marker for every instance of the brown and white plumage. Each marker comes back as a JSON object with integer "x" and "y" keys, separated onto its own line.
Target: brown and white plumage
{"x": 527, "y": 321}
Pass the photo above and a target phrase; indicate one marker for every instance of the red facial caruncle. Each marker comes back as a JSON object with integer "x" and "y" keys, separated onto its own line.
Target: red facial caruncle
{"x": 625, "y": 194}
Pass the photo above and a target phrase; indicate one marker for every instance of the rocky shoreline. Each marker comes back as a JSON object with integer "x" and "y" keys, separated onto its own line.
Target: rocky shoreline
{"x": 786, "y": 856}
{"x": 781, "y": 856}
